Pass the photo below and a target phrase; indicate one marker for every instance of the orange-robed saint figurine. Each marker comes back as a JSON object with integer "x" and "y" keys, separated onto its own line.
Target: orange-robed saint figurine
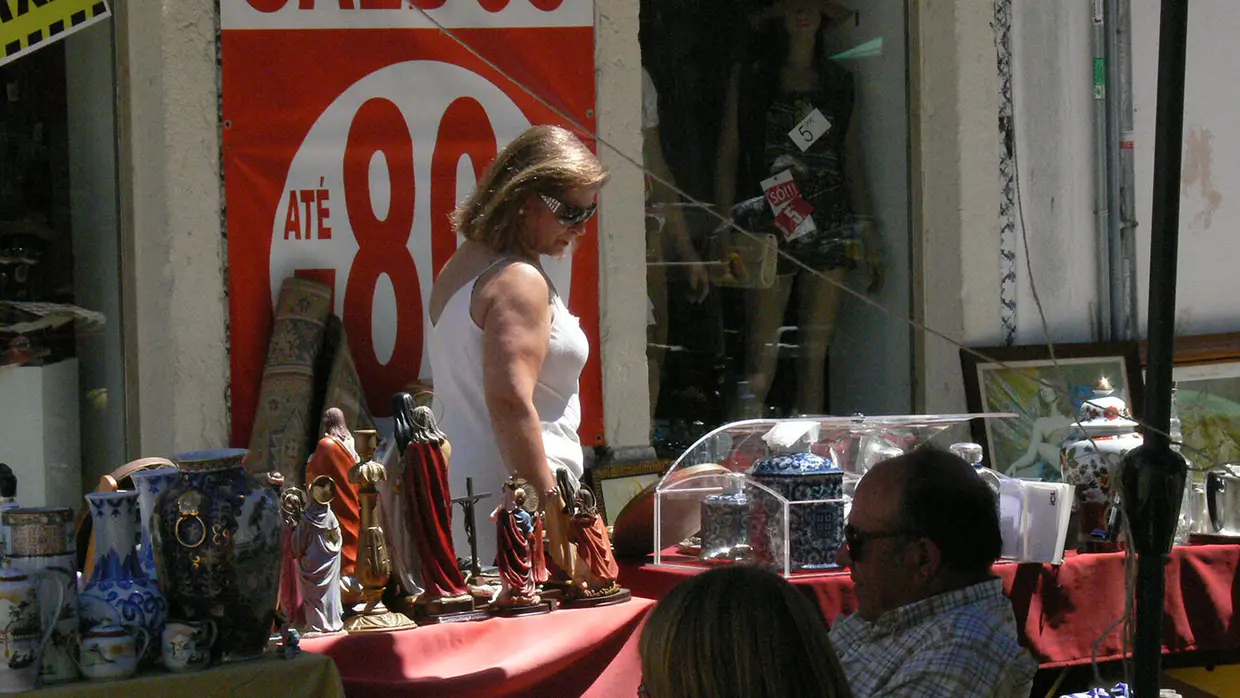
{"x": 334, "y": 457}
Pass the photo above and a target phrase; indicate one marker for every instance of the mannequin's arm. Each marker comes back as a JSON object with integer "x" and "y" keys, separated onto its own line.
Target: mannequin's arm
{"x": 859, "y": 197}
{"x": 675, "y": 226}
{"x": 729, "y": 147}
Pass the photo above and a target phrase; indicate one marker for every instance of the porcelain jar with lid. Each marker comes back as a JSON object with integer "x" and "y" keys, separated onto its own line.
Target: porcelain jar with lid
{"x": 812, "y": 488}
{"x": 725, "y": 522}
{"x": 1089, "y": 459}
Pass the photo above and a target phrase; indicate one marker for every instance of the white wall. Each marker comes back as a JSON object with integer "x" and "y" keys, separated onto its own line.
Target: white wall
{"x": 622, "y": 232}
{"x": 170, "y": 213}
{"x": 1053, "y": 104}
{"x": 1208, "y": 284}
{"x": 956, "y": 161}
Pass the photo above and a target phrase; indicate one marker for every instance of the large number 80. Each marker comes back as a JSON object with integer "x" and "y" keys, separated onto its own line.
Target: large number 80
{"x": 383, "y": 244}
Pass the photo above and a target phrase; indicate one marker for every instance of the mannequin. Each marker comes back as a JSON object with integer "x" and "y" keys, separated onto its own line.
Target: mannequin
{"x": 786, "y": 78}
{"x": 664, "y": 219}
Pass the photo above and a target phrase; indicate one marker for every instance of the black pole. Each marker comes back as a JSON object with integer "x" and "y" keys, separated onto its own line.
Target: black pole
{"x": 1152, "y": 478}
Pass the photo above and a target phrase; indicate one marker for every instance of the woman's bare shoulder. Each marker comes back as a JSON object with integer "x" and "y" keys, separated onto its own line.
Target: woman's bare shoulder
{"x": 513, "y": 286}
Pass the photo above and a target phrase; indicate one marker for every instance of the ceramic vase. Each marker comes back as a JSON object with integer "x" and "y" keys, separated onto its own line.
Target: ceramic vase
{"x": 814, "y": 527}
{"x": 44, "y": 549}
{"x": 119, "y": 593}
{"x": 150, "y": 483}
{"x": 22, "y": 637}
{"x": 1090, "y": 455}
{"x": 220, "y": 544}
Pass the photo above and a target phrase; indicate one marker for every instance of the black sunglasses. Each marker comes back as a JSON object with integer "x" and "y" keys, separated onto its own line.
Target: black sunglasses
{"x": 567, "y": 214}
{"x": 856, "y": 539}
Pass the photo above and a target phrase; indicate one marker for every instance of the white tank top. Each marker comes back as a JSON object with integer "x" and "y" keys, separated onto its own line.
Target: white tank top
{"x": 455, "y": 345}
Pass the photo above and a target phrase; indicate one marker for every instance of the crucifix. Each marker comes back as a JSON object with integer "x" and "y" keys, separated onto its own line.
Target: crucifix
{"x": 467, "y": 505}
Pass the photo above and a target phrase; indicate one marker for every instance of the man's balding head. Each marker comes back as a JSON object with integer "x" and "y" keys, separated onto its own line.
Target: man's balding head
{"x": 925, "y": 523}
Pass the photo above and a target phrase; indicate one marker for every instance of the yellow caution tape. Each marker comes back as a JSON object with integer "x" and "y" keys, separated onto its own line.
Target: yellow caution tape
{"x": 28, "y": 25}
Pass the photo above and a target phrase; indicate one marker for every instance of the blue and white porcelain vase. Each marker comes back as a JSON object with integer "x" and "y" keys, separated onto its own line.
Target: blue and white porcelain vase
{"x": 119, "y": 592}
{"x": 813, "y": 490}
{"x": 220, "y": 543}
{"x": 150, "y": 483}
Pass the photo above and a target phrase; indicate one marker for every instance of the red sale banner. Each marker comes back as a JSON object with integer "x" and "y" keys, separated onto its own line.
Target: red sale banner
{"x": 351, "y": 130}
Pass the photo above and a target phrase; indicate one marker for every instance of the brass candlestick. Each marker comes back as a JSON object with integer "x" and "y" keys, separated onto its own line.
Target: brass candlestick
{"x": 374, "y": 566}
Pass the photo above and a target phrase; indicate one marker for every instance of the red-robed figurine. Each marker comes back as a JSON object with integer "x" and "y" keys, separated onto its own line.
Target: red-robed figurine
{"x": 334, "y": 457}
{"x": 425, "y": 485}
{"x": 589, "y": 532}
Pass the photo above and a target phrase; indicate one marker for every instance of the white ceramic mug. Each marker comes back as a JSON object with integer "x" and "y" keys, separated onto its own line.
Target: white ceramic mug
{"x": 186, "y": 645}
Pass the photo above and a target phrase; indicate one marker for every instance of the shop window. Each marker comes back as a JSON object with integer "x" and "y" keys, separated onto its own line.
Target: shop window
{"x": 768, "y": 116}
{"x": 61, "y": 384}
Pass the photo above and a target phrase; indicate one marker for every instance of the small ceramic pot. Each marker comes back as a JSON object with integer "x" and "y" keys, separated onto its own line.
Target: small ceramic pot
{"x": 39, "y": 531}
{"x": 111, "y": 652}
{"x": 186, "y": 645}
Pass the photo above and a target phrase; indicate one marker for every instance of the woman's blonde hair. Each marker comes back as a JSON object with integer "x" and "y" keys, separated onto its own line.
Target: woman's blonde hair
{"x": 543, "y": 160}
{"x": 738, "y": 631}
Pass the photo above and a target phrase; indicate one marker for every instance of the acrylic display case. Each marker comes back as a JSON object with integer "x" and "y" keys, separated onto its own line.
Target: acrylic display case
{"x": 776, "y": 492}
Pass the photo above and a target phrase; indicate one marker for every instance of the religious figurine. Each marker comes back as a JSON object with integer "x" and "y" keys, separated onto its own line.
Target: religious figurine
{"x": 597, "y": 561}
{"x": 373, "y": 565}
{"x": 315, "y": 545}
{"x": 566, "y": 574}
{"x": 428, "y": 504}
{"x": 334, "y": 457}
{"x": 406, "y": 566}
{"x": 518, "y": 593}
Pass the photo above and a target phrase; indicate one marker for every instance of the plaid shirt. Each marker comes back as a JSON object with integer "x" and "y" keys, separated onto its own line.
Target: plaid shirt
{"x": 961, "y": 643}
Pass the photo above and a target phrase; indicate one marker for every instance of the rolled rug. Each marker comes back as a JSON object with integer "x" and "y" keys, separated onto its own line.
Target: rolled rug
{"x": 285, "y": 423}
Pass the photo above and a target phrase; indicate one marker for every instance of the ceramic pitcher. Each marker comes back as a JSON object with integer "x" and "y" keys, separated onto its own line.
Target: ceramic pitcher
{"x": 111, "y": 652}
{"x": 22, "y": 639}
{"x": 119, "y": 593}
{"x": 42, "y": 547}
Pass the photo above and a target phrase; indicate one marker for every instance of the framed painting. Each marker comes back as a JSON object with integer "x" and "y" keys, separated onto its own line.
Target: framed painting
{"x": 1045, "y": 394}
{"x": 614, "y": 484}
{"x": 1207, "y": 381}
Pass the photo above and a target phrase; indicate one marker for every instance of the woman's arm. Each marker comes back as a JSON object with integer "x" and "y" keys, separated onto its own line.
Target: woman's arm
{"x": 513, "y": 310}
{"x": 729, "y": 146}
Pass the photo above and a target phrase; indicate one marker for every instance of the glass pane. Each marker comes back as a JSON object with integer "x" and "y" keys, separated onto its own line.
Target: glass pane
{"x": 62, "y": 420}
{"x": 789, "y": 121}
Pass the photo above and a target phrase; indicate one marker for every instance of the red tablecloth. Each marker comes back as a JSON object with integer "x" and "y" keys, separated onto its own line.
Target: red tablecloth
{"x": 557, "y": 654}
{"x": 1062, "y": 610}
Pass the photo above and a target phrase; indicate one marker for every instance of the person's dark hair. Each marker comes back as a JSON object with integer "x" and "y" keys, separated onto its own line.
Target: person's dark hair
{"x": 738, "y": 631}
{"x": 943, "y": 499}
{"x": 8, "y": 481}
{"x": 542, "y": 160}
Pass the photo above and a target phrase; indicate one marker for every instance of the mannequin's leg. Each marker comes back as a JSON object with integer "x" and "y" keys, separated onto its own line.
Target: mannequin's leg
{"x": 819, "y": 303}
{"x": 656, "y": 291}
{"x": 764, "y": 315}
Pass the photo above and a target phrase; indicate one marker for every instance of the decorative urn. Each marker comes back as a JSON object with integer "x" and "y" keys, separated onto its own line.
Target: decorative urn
{"x": 812, "y": 488}
{"x": 1089, "y": 459}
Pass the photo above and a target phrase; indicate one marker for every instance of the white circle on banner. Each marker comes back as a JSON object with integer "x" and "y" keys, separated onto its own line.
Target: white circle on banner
{"x": 422, "y": 91}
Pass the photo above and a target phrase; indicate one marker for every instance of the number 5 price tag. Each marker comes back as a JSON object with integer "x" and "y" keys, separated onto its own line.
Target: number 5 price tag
{"x": 810, "y": 129}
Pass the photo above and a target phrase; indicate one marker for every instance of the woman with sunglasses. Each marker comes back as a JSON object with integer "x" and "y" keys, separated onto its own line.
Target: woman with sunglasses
{"x": 738, "y": 631}
{"x": 505, "y": 352}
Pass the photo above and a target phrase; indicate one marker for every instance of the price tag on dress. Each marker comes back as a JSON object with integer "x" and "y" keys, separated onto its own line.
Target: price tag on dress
{"x": 810, "y": 129}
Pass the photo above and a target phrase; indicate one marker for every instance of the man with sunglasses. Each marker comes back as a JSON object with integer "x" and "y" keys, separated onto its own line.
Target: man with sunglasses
{"x": 931, "y": 620}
